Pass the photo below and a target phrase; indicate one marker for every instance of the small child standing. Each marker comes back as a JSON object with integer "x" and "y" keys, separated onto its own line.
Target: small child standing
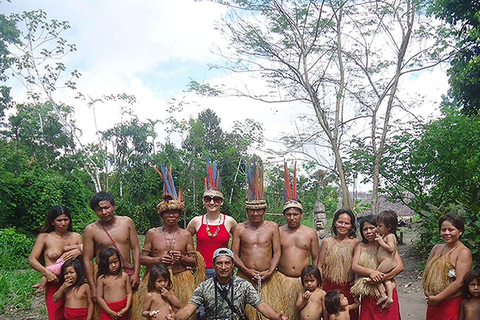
{"x": 387, "y": 227}
{"x": 160, "y": 294}
{"x": 114, "y": 293}
{"x": 311, "y": 300}
{"x": 470, "y": 307}
{"x": 75, "y": 288}
{"x": 337, "y": 305}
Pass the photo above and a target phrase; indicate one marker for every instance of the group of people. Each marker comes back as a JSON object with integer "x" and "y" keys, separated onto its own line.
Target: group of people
{"x": 282, "y": 272}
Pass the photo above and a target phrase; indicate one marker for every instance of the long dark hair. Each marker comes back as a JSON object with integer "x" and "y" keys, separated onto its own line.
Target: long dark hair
{"x": 79, "y": 270}
{"x": 311, "y": 270}
{"x": 370, "y": 219}
{"x": 472, "y": 275}
{"x": 352, "y": 233}
{"x": 332, "y": 301}
{"x": 158, "y": 270}
{"x": 52, "y": 214}
{"x": 103, "y": 263}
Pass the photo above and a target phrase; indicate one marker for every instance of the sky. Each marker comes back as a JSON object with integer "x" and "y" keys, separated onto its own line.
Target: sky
{"x": 152, "y": 49}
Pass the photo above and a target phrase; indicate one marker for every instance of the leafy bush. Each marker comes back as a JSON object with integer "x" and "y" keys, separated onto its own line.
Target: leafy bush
{"x": 14, "y": 249}
{"x": 16, "y": 289}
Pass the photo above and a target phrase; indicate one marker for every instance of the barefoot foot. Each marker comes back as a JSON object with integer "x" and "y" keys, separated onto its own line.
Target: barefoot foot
{"x": 381, "y": 299}
{"x": 387, "y": 304}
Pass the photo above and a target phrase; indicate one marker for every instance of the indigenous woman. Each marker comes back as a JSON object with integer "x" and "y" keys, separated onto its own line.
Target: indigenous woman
{"x": 55, "y": 243}
{"x": 446, "y": 267}
{"x": 171, "y": 246}
{"x": 336, "y": 253}
{"x": 213, "y": 229}
{"x": 364, "y": 264}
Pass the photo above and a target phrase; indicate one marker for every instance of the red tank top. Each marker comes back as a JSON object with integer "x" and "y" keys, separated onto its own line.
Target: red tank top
{"x": 206, "y": 245}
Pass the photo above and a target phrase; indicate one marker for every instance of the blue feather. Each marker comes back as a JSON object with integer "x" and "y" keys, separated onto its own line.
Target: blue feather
{"x": 214, "y": 172}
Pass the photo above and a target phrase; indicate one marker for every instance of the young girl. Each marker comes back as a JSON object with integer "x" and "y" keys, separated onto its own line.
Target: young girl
{"x": 337, "y": 305}
{"x": 311, "y": 300}
{"x": 160, "y": 295}
{"x": 470, "y": 307}
{"x": 75, "y": 288}
{"x": 387, "y": 227}
{"x": 114, "y": 293}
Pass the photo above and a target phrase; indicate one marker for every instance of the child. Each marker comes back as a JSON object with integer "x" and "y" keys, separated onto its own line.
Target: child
{"x": 75, "y": 288}
{"x": 114, "y": 293}
{"x": 56, "y": 268}
{"x": 387, "y": 227}
{"x": 311, "y": 300}
{"x": 160, "y": 295}
{"x": 470, "y": 307}
{"x": 337, "y": 305}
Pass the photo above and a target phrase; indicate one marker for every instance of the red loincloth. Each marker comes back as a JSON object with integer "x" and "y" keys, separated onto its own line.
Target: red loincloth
{"x": 115, "y": 306}
{"x": 346, "y": 292}
{"x": 76, "y": 313}
{"x": 370, "y": 311}
{"x": 54, "y": 309}
{"x": 445, "y": 310}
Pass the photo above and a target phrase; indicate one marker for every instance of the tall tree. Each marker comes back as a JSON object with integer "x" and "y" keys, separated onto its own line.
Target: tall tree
{"x": 9, "y": 34}
{"x": 343, "y": 58}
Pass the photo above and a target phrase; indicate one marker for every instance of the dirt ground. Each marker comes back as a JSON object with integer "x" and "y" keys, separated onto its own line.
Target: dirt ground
{"x": 411, "y": 298}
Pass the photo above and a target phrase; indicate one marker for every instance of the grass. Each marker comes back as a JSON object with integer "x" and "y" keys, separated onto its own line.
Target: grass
{"x": 16, "y": 291}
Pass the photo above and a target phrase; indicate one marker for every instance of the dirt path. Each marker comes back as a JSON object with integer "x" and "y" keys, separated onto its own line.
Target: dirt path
{"x": 410, "y": 293}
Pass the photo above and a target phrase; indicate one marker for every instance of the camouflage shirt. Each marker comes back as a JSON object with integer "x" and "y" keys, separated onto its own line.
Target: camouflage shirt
{"x": 243, "y": 294}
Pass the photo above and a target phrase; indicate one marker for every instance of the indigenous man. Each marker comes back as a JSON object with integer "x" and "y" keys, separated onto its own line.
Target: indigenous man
{"x": 173, "y": 246}
{"x": 110, "y": 231}
{"x": 256, "y": 245}
{"x": 299, "y": 247}
{"x": 225, "y": 296}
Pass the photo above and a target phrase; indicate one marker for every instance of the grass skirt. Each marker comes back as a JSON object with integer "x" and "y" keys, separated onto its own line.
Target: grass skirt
{"x": 270, "y": 293}
{"x": 290, "y": 287}
{"x": 435, "y": 277}
{"x": 361, "y": 286}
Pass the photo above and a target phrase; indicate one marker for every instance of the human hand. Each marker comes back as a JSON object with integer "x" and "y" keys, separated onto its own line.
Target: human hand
{"x": 281, "y": 316}
{"x": 51, "y": 277}
{"x": 377, "y": 276}
{"x": 306, "y": 295}
{"x": 153, "y": 313}
{"x": 167, "y": 259}
{"x": 134, "y": 280}
{"x": 432, "y": 300}
{"x": 93, "y": 291}
{"x": 266, "y": 274}
{"x": 252, "y": 274}
{"x": 71, "y": 254}
{"x": 176, "y": 255}
{"x": 170, "y": 315}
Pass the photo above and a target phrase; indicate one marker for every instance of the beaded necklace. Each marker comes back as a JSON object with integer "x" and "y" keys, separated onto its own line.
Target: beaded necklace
{"x": 207, "y": 229}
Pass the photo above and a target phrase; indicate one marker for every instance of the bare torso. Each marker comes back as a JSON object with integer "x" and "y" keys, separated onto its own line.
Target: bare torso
{"x": 297, "y": 247}
{"x": 160, "y": 243}
{"x": 155, "y": 301}
{"x": 78, "y": 297}
{"x": 114, "y": 287}
{"x": 313, "y": 310}
{"x": 54, "y": 245}
{"x": 256, "y": 244}
{"x": 471, "y": 309}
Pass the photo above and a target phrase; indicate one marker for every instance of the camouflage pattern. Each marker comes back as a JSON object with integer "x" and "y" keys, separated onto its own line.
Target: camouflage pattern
{"x": 243, "y": 294}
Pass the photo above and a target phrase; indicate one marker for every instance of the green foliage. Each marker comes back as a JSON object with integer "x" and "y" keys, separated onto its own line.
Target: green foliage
{"x": 14, "y": 249}
{"x": 16, "y": 290}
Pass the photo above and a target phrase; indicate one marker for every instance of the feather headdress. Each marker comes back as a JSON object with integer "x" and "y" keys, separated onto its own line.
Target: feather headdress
{"x": 255, "y": 197}
{"x": 171, "y": 199}
{"x": 290, "y": 193}
{"x": 213, "y": 184}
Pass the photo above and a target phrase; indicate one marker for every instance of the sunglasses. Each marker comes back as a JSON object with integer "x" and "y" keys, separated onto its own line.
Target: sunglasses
{"x": 208, "y": 199}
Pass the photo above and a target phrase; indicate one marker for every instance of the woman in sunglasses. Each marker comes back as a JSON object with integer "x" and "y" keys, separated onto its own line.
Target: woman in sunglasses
{"x": 212, "y": 229}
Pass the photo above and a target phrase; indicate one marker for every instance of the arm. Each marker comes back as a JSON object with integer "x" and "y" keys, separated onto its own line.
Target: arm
{"x": 236, "y": 252}
{"x": 389, "y": 243}
{"x": 268, "y": 312}
{"x": 399, "y": 267}
{"x": 188, "y": 260}
{"x": 172, "y": 298}
{"x": 192, "y": 225}
{"x": 230, "y": 224}
{"x": 354, "y": 305}
{"x": 324, "y": 308}
{"x": 462, "y": 267}
{"x": 88, "y": 254}
{"x": 145, "y": 256}
{"x": 135, "y": 247}
{"x": 75, "y": 250}
{"x": 57, "y": 296}
{"x": 146, "y": 306}
{"x": 276, "y": 252}
{"x": 34, "y": 257}
{"x": 89, "y": 303}
{"x": 302, "y": 300}
{"x": 129, "y": 295}
{"x": 462, "y": 313}
{"x": 314, "y": 248}
{"x": 101, "y": 302}
{"x": 182, "y": 314}
{"x": 322, "y": 253}
{"x": 362, "y": 271}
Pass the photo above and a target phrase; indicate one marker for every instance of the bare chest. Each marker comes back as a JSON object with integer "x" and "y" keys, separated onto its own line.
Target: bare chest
{"x": 260, "y": 237}
{"x": 164, "y": 242}
{"x": 294, "y": 241}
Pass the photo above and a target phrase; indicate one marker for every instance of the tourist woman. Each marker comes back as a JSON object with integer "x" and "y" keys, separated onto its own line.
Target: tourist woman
{"x": 365, "y": 264}
{"x": 446, "y": 267}
{"x": 212, "y": 229}
{"x": 336, "y": 253}
{"x": 55, "y": 243}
